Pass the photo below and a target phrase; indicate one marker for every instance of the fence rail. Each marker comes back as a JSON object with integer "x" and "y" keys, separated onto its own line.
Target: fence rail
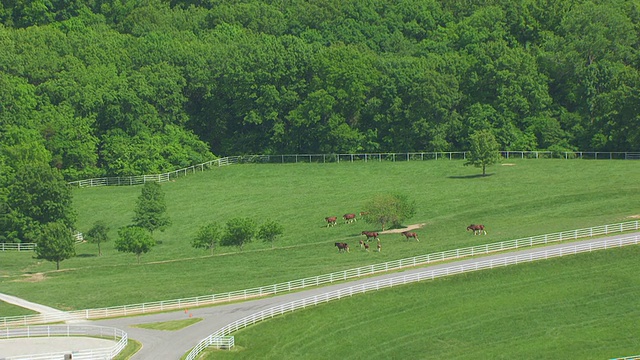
{"x": 17, "y": 247}
{"x": 69, "y": 331}
{"x": 178, "y": 304}
{"x": 336, "y": 158}
{"x": 78, "y": 236}
{"x": 227, "y": 330}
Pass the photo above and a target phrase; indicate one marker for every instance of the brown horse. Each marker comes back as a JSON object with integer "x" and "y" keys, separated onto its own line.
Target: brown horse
{"x": 370, "y": 234}
{"x": 366, "y": 246}
{"x": 477, "y": 229}
{"x": 409, "y": 235}
{"x": 342, "y": 246}
{"x": 349, "y": 218}
{"x": 331, "y": 220}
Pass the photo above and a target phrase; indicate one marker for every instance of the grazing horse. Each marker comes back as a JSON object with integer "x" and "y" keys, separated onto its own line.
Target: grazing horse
{"x": 366, "y": 246}
{"x": 370, "y": 234}
{"x": 349, "y": 218}
{"x": 477, "y": 229}
{"x": 409, "y": 235}
{"x": 379, "y": 246}
{"x": 342, "y": 246}
{"x": 331, "y": 220}
{"x": 361, "y": 243}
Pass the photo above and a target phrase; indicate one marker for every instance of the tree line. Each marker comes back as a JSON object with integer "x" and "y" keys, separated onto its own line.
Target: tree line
{"x": 92, "y": 88}
{"x": 55, "y": 243}
{"x": 125, "y": 87}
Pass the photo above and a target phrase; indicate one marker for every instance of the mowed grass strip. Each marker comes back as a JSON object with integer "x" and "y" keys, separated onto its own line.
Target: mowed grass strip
{"x": 131, "y": 349}
{"x": 7, "y": 310}
{"x": 527, "y": 198}
{"x": 169, "y": 325}
{"x": 585, "y": 306}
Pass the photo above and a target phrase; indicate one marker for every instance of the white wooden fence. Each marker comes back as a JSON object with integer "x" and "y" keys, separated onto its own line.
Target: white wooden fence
{"x": 329, "y": 158}
{"x": 32, "y": 246}
{"x": 226, "y": 331}
{"x": 17, "y": 247}
{"x": 179, "y": 304}
{"x": 69, "y": 331}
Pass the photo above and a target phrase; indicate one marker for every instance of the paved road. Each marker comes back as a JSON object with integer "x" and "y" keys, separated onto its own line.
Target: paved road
{"x": 174, "y": 344}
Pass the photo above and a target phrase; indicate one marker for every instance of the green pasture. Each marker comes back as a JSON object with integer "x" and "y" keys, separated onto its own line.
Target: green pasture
{"x": 519, "y": 198}
{"x": 7, "y": 309}
{"x": 579, "y": 307}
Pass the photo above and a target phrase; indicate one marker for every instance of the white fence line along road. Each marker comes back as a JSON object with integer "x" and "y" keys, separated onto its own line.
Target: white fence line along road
{"x": 241, "y": 295}
{"x": 329, "y": 158}
{"x": 117, "y": 335}
{"x": 221, "y": 338}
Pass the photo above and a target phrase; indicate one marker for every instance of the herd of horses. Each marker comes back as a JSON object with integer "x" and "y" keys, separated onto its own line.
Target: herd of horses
{"x": 477, "y": 229}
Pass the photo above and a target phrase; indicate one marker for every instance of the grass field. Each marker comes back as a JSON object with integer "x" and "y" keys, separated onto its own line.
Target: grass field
{"x": 579, "y": 307}
{"x": 12, "y": 310}
{"x": 523, "y": 198}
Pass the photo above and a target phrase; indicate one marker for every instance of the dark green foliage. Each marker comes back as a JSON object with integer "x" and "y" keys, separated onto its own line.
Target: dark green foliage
{"x": 208, "y": 237}
{"x": 151, "y": 209}
{"x": 55, "y": 243}
{"x": 35, "y": 196}
{"x": 238, "y": 232}
{"x": 98, "y": 234}
{"x": 126, "y": 87}
{"x": 135, "y": 240}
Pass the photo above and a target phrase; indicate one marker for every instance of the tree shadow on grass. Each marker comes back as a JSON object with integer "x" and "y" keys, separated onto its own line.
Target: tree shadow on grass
{"x": 86, "y": 255}
{"x": 469, "y": 176}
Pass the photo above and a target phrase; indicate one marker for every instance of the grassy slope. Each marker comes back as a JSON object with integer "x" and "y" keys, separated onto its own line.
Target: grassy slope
{"x": 531, "y": 197}
{"x": 580, "y": 307}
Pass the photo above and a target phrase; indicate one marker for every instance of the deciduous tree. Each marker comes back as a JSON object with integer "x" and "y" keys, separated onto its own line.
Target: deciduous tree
{"x": 269, "y": 231}
{"x": 135, "y": 240}
{"x": 208, "y": 237}
{"x": 36, "y": 196}
{"x": 55, "y": 243}
{"x": 98, "y": 234}
{"x": 388, "y": 209}
{"x": 151, "y": 208}
{"x": 484, "y": 150}
{"x": 239, "y": 232}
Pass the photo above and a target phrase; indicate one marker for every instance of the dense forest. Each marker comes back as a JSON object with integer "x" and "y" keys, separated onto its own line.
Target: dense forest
{"x": 121, "y": 87}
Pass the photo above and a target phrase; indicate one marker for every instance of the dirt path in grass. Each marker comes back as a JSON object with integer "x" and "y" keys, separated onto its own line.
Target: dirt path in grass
{"x": 408, "y": 228}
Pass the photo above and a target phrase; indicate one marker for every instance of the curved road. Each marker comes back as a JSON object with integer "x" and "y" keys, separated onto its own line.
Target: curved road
{"x": 174, "y": 344}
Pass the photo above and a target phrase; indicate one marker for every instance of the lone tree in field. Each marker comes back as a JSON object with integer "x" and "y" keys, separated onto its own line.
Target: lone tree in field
{"x": 151, "y": 208}
{"x": 55, "y": 243}
{"x": 388, "y": 209}
{"x": 135, "y": 240}
{"x": 98, "y": 234}
{"x": 269, "y": 231}
{"x": 484, "y": 150}
{"x": 208, "y": 237}
{"x": 239, "y": 232}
